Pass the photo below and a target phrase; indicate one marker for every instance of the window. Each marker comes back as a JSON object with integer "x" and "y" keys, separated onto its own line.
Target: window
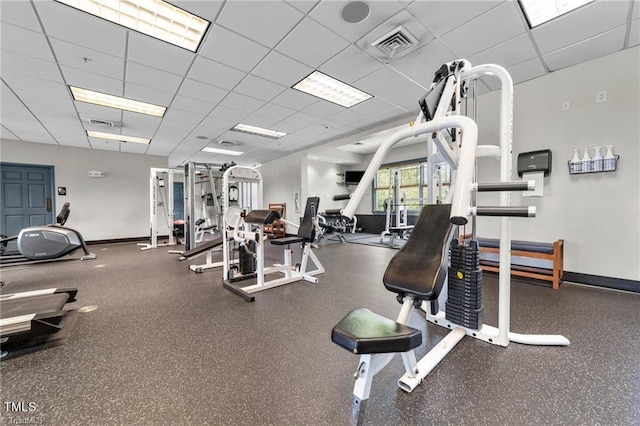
{"x": 413, "y": 179}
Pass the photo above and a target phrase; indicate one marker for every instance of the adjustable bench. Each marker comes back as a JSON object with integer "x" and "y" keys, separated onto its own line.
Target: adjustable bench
{"x": 535, "y": 250}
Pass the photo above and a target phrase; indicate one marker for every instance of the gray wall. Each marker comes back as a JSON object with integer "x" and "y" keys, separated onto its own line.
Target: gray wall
{"x": 116, "y": 206}
{"x": 282, "y": 179}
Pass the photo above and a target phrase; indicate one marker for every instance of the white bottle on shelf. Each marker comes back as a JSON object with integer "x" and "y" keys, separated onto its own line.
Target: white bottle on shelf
{"x": 575, "y": 165}
{"x": 609, "y": 160}
{"x": 586, "y": 161}
{"x": 597, "y": 160}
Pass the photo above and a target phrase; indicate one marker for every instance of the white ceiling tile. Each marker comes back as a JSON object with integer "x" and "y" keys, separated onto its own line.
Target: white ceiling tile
{"x": 105, "y": 145}
{"x": 275, "y": 112}
{"x": 592, "y": 48}
{"x": 241, "y": 102}
{"x": 523, "y": 71}
{"x": 230, "y": 114}
{"x": 382, "y": 80}
{"x": 323, "y": 109}
{"x": 25, "y": 83}
{"x": 347, "y": 117}
{"x": 282, "y": 70}
{"x": 183, "y": 117}
{"x": 96, "y": 62}
{"x": 19, "y": 13}
{"x": 133, "y": 148}
{"x": 431, "y": 13}
{"x": 85, "y": 30}
{"x": 223, "y": 46}
{"x": 151, "y": 77}
{"x": 30, "y": 43}
{"x": 636, "y": 10}
{"x": 303, "y": 6}
{"x": 29, "y": 66}
{"x": 191, "y": 105}
{"x": 158, "y": 149}
{"x": 14, "y": 113}
{"x": 494, "y": 27}
{"x": 87, "y": 80}
{"x": 244, "y": 140}
{"x": 154, "y": 53}
{"x": 295, "y": 99}
{"x": 153, "y": 96}
{"x": 260, "y": 121}
{"x": 371, "y": 106}
{"x": 134, "y": 124}
{"x": 212, "y": 126}
{"x": 207, "y": 9}
{"x": 65, "y": 128}
{"x": 204, "y": 92}
{"x": 53, "y": 106}
{"x": 258, "y": 88}
{"x": 587, "y": 21}
{"x": 422, "y": 64}
{"x": 263, "y": 21}
{"x": 7, "y": 134}
{"x": 634, "y": 34}
{"x": 408, "y": 93}
{"x": 511, "y": 52}
{"x": 311, "y": 43}
{"x": 328, "y": 13}
{"x": 300, "y": 118}
{"x": 289, "y": 127}
{"x": 350, "y": 65}
{"x": 214, "y": 73}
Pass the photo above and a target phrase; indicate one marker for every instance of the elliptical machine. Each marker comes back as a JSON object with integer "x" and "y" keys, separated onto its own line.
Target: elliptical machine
{"x": 49, "y": 242}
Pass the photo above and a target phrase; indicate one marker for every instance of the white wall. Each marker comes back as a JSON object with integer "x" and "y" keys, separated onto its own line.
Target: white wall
{"x": 282, "y": 179}
{"x": 116, "y": 206}
{"x": 324, "y": 182}
{"x": 598, "y": 215}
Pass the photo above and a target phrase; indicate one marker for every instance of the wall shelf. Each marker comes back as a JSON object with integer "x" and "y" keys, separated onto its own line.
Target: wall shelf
{"x": 591, "y": 162}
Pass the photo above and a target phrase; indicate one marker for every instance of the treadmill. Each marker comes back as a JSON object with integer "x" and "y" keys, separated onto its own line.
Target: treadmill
{"x": 33, "y": 318}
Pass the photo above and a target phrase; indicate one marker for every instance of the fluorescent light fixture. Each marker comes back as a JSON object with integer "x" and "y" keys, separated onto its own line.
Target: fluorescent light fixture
{"x": 155, "y": 18}
{"x": 253, "y": 130}
{"x": 540, "y": 11}
{"x": 103, "y": 99}
{"x": 332, "y": 90}
{"x": 221, "y": 151}
{"x": 114, "y": 137}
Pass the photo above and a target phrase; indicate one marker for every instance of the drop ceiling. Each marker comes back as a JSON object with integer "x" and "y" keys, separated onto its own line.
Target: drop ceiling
{"x": 253, "y": 53}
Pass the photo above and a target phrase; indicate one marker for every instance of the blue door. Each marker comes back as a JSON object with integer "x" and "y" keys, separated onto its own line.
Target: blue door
{"x": 25, "y": 197}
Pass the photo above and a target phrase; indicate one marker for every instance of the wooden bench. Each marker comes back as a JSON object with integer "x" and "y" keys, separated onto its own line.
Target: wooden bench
{"x": 535, "y": 250}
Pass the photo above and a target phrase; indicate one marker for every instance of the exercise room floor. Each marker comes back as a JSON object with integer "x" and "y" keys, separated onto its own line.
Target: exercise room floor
{"x": 166, "y": 346}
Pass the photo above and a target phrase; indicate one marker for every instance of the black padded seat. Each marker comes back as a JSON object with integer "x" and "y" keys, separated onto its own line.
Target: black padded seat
{"x": 420, "y": 267}
{"x": 531, "y": 246}
{"x": 365, "y": 332}
{"x": 286, "y": 241}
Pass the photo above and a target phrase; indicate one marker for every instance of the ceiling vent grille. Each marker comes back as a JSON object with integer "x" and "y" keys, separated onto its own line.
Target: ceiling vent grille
{"x": 101, "y": 123}
{"x": 228, "y": 143}
{"x": 395, "y": 42}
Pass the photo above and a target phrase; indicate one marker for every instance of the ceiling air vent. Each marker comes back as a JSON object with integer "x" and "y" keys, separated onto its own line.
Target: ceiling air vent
{"x": 395, "y": 42}
{"x": 101, "y": 123}
{"x": 228, "y": 143}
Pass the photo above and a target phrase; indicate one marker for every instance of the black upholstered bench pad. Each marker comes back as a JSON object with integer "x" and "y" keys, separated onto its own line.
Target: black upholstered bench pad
{"x": 286, "y": 241}
{"x": 365, "y": 332}
{"x": 262, "y": 216}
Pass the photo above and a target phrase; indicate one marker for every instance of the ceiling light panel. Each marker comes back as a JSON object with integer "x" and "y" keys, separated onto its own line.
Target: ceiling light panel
{"x": 155, "y": 18}
{"x": 332, "y": 90}
{"x": 541, "y": 11}
{"x": 221, "y": 151}
{"x": 103, "y": 99}
{"x": 254, "y": 130}
{"x": 114, "y": 137}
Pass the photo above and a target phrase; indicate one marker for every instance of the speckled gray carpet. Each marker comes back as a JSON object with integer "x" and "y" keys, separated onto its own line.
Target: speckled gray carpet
{"x": 170, "y": 347}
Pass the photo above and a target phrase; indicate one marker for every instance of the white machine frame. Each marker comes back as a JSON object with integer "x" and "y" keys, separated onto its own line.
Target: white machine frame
{"x": 462, "y": 161}
{"x": 154, "y": 200}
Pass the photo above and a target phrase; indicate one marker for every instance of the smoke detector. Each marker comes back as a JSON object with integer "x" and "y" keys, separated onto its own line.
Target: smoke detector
{"x": 394, "y": 42}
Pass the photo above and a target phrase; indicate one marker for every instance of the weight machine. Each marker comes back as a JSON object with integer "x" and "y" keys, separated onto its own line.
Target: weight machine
{"x": 432, "y": 271}
{"x": 161, "y": 200}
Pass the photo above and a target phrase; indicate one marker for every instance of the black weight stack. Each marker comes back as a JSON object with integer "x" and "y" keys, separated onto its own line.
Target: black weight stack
{"x": 464, "y": 294}
{"x": 247, "y": 261}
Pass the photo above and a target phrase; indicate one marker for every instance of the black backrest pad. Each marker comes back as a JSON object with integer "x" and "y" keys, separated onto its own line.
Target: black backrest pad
{"x": 263, "y": 217}
{"x": 63, "y": 215}
{"x": 307, "y": 229}
{"x": 420, "y": 267}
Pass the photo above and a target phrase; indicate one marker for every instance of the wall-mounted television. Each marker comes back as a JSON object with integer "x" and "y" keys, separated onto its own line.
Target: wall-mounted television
{"x": 353, "y": 177}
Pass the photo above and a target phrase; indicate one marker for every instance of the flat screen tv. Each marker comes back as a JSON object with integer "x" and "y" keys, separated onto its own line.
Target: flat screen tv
{"x": 353, "y": 177}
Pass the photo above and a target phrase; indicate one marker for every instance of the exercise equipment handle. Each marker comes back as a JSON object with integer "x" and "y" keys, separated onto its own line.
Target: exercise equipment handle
{"x": 341, "y": 197}
{"x": 516, "y": 211}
